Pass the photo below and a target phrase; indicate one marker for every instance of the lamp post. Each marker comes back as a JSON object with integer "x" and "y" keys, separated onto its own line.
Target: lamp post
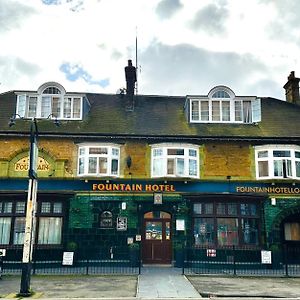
{"x": 30, "y": 220}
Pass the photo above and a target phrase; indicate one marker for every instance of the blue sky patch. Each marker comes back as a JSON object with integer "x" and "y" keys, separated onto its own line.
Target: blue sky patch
{"x": 74, "y": 72}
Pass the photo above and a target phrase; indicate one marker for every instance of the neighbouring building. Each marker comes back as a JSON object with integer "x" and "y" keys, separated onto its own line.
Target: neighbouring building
{"x": 209, "y": 170}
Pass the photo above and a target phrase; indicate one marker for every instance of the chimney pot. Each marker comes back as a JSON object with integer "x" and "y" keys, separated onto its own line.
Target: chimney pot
{"x": 292, "y": 89}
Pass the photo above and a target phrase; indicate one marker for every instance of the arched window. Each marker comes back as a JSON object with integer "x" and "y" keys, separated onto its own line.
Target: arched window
{"x": 106, "y": 219}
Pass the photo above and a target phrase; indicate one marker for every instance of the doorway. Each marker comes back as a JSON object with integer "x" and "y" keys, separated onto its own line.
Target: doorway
{"x": 156, "y": 238}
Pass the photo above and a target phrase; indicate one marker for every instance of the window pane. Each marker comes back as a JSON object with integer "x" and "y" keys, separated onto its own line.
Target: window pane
{"x": 21, "y": 105}
{"x": 220, "y": 208}
{"x": 263, "y": 168}
{"x": 170, "y": 166}
{"x": 20, "y": 207}
{"x": 92, "y": 165}
{"x": 209, "y": 208}
{"x": 279, "y": 153}
{"x": 248, "y": 209}
{"x": 158, "y": 167}
{"x": 261, "y": 154}
{"x": 192, "y": 152}
{"x": 76, "y": 108}
{"x": 19, "y": 230}
{"x": 46, "y": 107}
{"x": 180, "y": 166}
{"x": 249, "y": 231}
{"x": 81, "y": 165}
{"x": 157, "y": 152}
{"x": 238, "y": 111}
{"x": 247, "y": 112}
{"x": 67, "y": 107}
{"x": 153, "y": 230}
{"x": 102, "y": 165}
{"x": 98, "y": 150}
{"x": 5, "y": 224}
{"x": 292, "y": 231}
{"x": 115, "y": 151}
{"x": 192, "y": 167}
{"x": 216, "y": 110}
{"x": 49, "y": 230}
{"x": 204, "y": 110}
{"x": 32, "y": 103}
{"x": 232, "y": 209}
{"x": 198, "y": 208}
{"x": 278, "y": 168}
{"x": 204, "y": 231}
{"x": 175, "y": 151}
{"x": 225, "y": 111}
{"x": 57, "y": 208}
{"x": 46, "y": 207}
{"x": 56, "y": 106}
{"x": 7, "y": 207}
{"x": 297, "y": 154}
{"x": 114, "y": 167}
{"x": 227, "y": 231}
{"x": 195, "y": 110}
{"x": 298, "y": 168}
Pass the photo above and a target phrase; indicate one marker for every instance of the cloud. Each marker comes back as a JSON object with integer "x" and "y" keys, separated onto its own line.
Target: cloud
{"x": 15, "y": 68}
{"x": 165, "y": 9}
{"x": 184, "y": 69}
{"x": 74, "y": 72}
{"x": 211, "y": 19}
{"x": 13, "y": 14}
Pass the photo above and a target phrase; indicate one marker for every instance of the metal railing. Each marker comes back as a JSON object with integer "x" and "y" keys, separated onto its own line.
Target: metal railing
{"x": 86, "y": 261}
{"x": 241, "y": 261}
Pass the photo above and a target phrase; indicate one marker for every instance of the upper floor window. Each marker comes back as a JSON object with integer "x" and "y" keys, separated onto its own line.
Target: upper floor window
{"x": 99, "y": 160}
{"x": 50, "y": 100}
{"x": 221, "y": 106}
{"x": 277, "y": 161}
{"x": 175, "y": 161}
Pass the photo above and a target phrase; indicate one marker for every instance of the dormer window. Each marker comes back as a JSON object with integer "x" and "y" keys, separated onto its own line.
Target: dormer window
{"x": 222, "y": 106}
{"x": 50, "y": 99}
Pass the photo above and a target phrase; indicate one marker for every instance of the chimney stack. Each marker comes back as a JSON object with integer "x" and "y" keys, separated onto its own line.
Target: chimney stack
{"x": 292, "y": 89}
{"x": 130, "y": 75}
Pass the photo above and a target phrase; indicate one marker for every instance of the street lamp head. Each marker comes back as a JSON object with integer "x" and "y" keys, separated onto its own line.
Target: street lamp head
{"x": 56, "y": 121}
{"x": 12, "y": 122}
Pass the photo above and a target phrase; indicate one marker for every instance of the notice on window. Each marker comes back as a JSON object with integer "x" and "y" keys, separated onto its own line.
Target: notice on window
{"x": 211, "y": 252}
{"x": 68, "y": 258}
{"x": 266, "y": 257}
{"x": 121, "y": 223}
{"x": 180, "y": 225}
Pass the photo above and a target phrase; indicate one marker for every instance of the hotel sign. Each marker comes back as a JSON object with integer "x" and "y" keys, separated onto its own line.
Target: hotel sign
{"x": 23, "y": 165}
{"x": 268, "y": 189}
{"x": 135, "y": 187}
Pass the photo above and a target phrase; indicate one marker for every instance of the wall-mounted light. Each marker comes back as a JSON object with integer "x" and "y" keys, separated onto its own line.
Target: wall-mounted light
{"x": 273, "y": 201}
{"x": 128, "y": 161}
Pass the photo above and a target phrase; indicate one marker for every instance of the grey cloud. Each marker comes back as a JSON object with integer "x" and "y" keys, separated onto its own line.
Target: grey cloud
{"x": 12, "y": 68}
{"x": 169, "y": 70}
{"x": 167, "y": 8}
{"x": 211, "y": 18}
{"x": 12, "y": 14}
{"x": 282, "y": 28}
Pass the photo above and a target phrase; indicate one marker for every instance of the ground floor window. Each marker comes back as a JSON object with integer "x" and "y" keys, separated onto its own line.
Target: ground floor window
{"x": 49, "y": 220}
{"x": 226, "y": 223}
{"x": 292, "y": 231}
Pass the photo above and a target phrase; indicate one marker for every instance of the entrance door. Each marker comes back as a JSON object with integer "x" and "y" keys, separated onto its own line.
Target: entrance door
{"x": 156, "y": 247}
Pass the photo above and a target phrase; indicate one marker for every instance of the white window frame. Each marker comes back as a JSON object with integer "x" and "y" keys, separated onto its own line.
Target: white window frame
{"x": 22, "y": 107}
{"x": 84, "y": 156}
{"x": 160, "y": 152}
{"x": 270, "y": 159}
{"x": 215, "y": 96}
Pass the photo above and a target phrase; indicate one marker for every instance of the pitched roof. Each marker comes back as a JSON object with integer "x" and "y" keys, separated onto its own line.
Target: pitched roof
{"x": 160, "y": 117}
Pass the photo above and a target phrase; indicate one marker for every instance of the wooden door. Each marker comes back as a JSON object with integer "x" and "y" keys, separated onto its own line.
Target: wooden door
{"x": 156, "y": 240}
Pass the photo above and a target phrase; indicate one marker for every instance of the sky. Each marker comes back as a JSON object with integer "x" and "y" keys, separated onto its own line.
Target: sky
{"x": 184, "y": 47}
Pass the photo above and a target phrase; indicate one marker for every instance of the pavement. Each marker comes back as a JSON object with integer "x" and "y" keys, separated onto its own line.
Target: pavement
{"x": 153, "y": 283}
